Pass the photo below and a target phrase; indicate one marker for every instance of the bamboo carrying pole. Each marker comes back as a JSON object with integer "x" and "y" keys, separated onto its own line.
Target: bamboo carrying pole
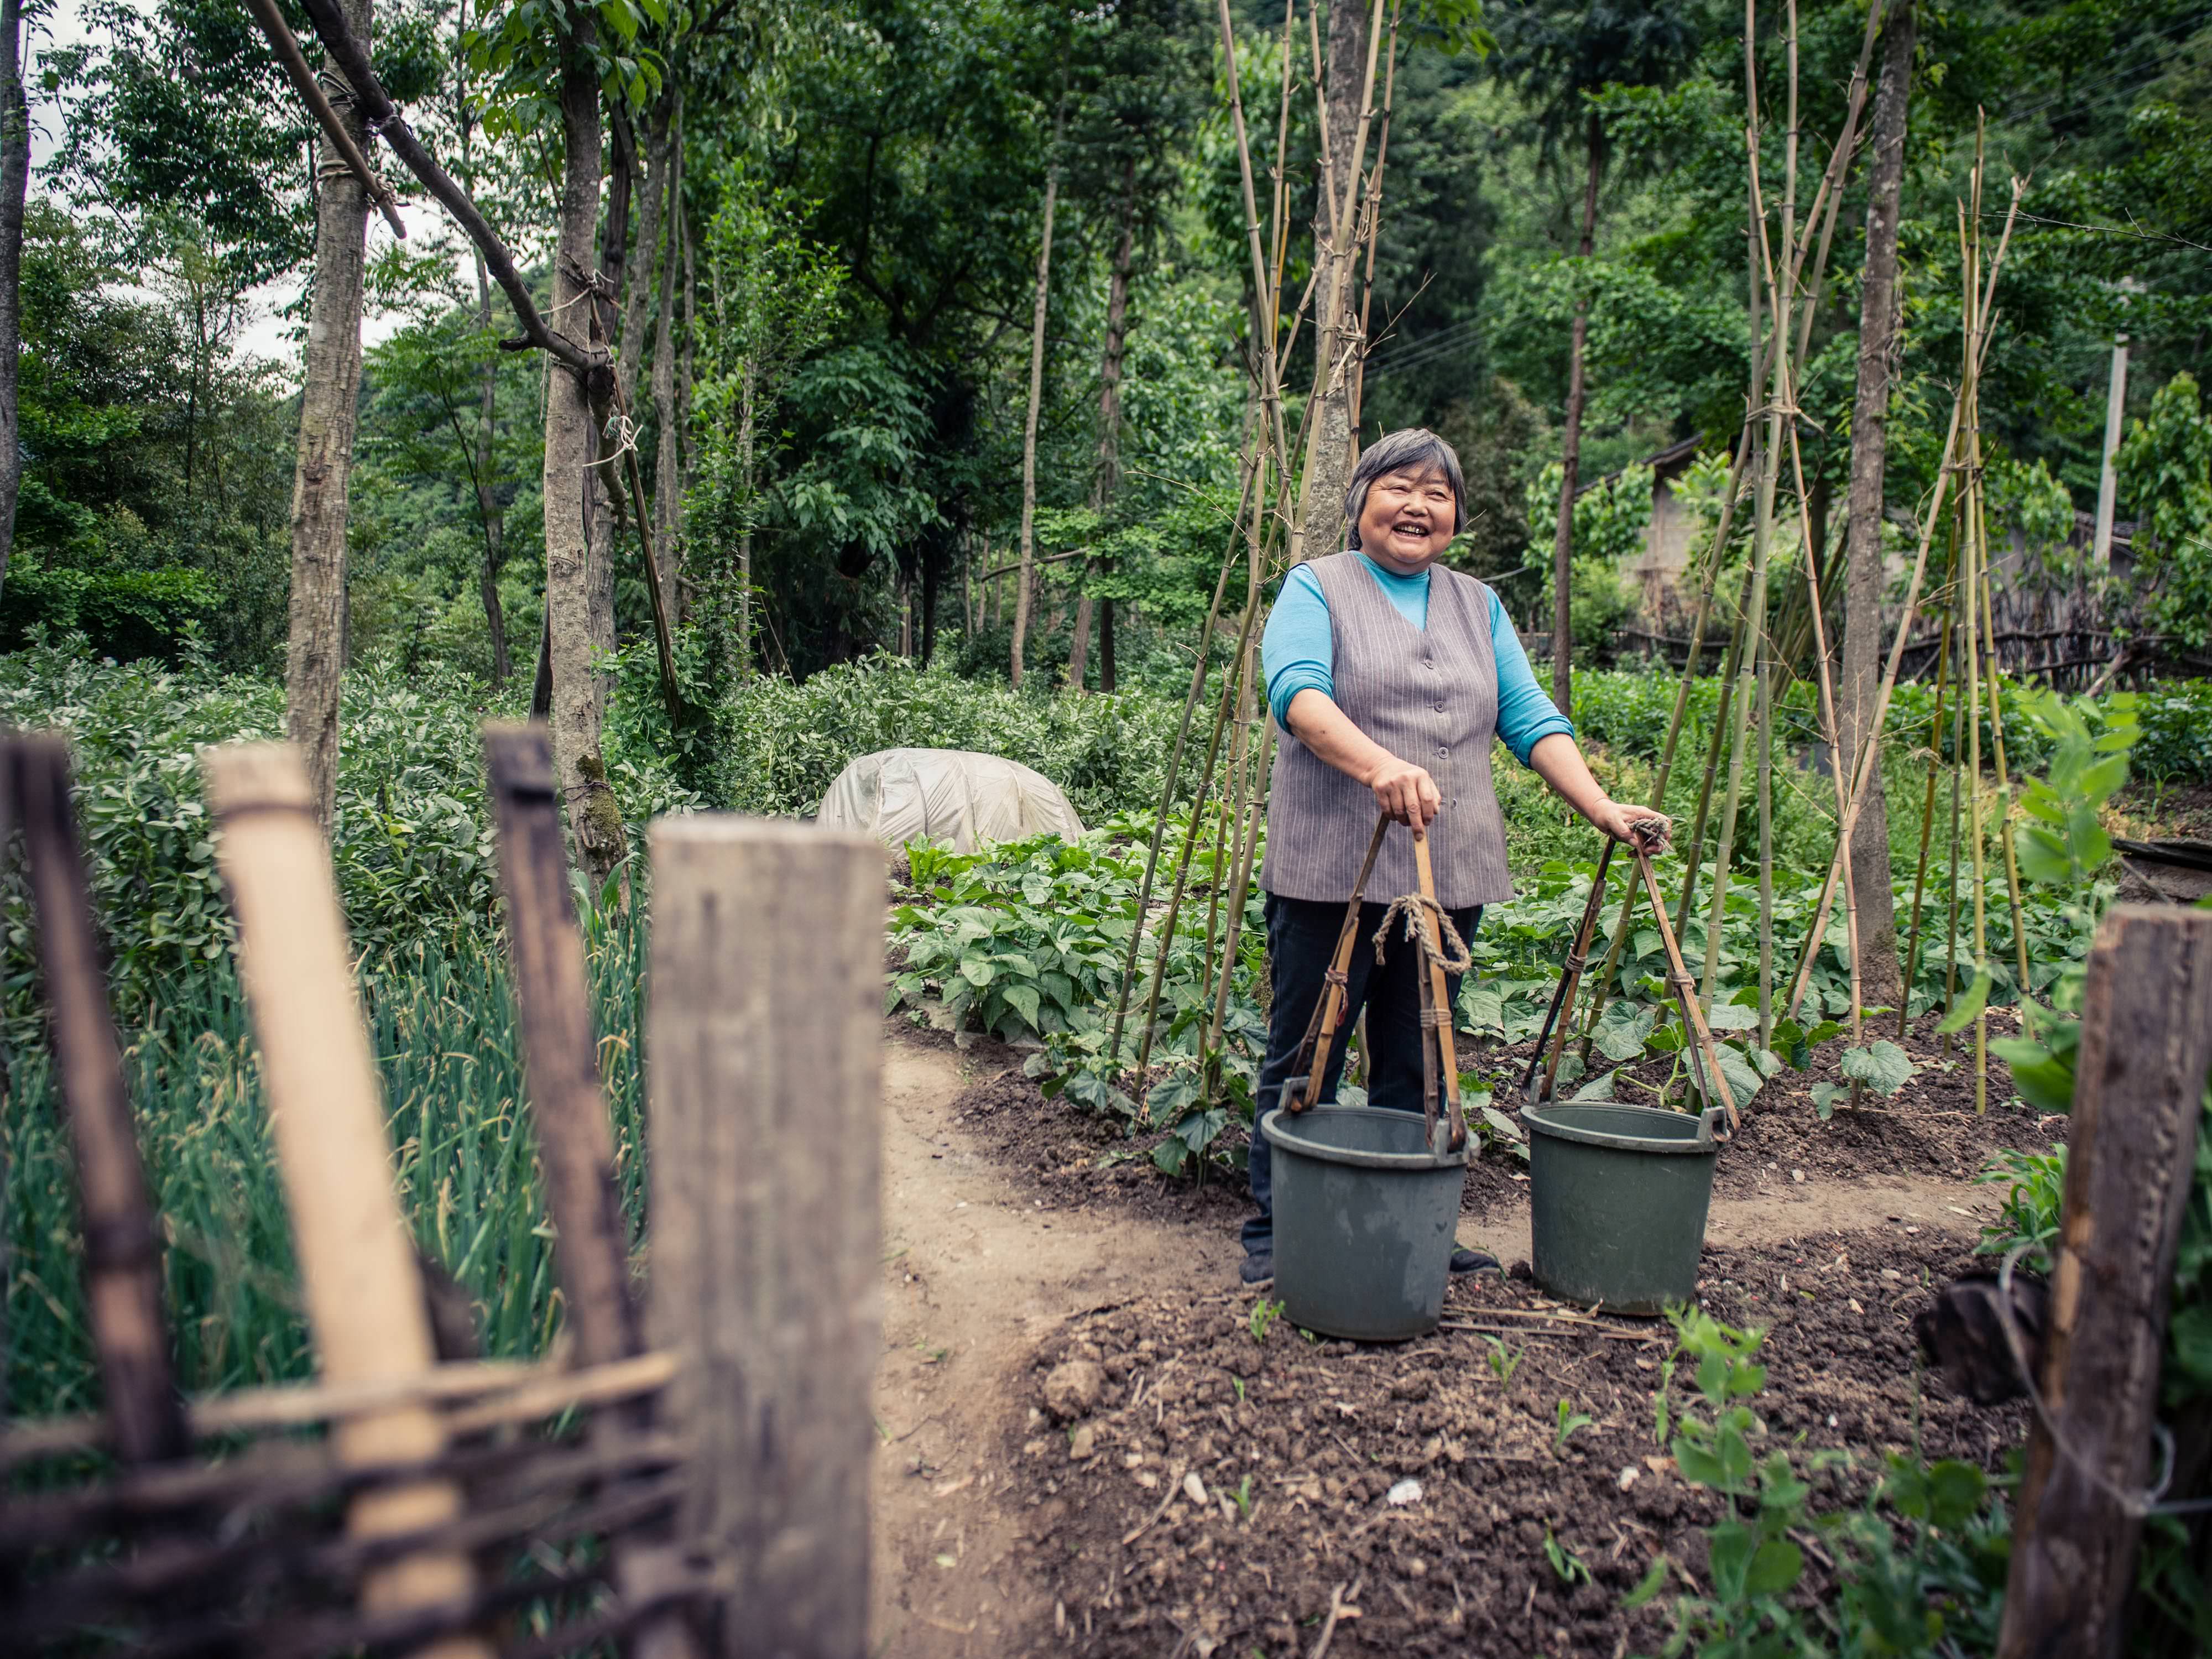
{"x": 122, "y": 1248}
{"x": 362, "y": 1289}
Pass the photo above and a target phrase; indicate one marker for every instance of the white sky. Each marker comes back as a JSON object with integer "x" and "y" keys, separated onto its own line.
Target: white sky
{"x": 266, "y": 333}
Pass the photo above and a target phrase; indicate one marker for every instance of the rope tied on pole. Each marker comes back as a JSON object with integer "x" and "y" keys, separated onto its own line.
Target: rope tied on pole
{"x": 1425, "y": 922}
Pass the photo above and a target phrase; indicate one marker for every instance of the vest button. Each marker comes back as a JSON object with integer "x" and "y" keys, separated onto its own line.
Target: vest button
{"x": 1443, "y": 751}
{"x": 1440, "y": 708}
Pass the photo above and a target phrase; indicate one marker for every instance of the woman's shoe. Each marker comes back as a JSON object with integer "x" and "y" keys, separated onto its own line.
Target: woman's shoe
{"x": 1464, "y": 1260}
{"x": 1259, "y": 1267}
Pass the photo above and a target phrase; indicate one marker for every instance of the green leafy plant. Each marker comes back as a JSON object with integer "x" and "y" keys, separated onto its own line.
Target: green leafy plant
{"x": 1503, "y": 1361}
{"x": 1567, "y": 1423}
{"x": 1264, "y": 1315}
{"x": 1570, "y": 1568}
{"x": 1242, "y": 1498}
{"x": 2035, "y": 1184}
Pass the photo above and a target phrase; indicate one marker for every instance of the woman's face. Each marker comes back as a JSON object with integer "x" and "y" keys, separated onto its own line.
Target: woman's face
{"x": 1407, "y": 521}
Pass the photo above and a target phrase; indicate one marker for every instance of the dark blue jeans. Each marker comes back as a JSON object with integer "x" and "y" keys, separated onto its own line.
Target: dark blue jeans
{"x": 1300, "y": 938}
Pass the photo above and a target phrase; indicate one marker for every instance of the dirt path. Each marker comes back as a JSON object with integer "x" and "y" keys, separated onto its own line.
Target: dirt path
{"x": 978, "y": 1272}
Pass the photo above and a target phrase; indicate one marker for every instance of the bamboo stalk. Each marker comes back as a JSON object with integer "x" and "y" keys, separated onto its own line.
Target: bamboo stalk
{"x": 363, "y": 1292}
{"x": 1927, "y": 815}
{"x": 2004, "y": 784}
{"x": 1969, "y": 241}
{"x": 1951, "y": 927}
{"x": 1198, "y": 676}
{"x": 1870, "y": 739}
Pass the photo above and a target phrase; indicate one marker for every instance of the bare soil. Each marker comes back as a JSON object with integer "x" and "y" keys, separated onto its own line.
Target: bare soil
{"x": 1011, "y": 1248}
{"x": 1313, "y": 1437}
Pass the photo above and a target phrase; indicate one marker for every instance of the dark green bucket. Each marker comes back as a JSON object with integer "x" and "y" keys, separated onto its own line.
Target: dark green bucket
{"x": 1617, "y": 1197}
{"x": 1365, "y": 1213}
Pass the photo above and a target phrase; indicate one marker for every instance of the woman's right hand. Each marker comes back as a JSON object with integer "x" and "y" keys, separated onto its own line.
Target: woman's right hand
{"x": 1406, "y": 792}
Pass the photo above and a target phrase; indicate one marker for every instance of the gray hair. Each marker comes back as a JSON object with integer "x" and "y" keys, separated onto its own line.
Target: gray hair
{"x": 1415, "y": 450}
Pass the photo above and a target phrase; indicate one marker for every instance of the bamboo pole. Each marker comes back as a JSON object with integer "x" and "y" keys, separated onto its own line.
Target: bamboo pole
{"x": 363, "y": 1291}
{"x": 2004, "y": 784}
{"x": 1198, "y": 678}
{"x": 1927, "y": 814}
{"x": 1870, "y": 739}
{"x": 1970, "y": 244}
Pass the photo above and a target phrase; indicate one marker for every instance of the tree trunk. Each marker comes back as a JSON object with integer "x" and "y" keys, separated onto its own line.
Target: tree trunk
{"x": 668, "y": 466}
{"x": 15, "y": 175}
{"x": 1863, "y": 581}
{"x": 1571, "y": 452}
{"x": 577, "y": 627}
{"x": 638, "y": 295}
{"x": 314, "y": 654}
{"x": 1029, "y": 420}
{"x": 488, "y": 507}
{"x": 1106, "y": 480}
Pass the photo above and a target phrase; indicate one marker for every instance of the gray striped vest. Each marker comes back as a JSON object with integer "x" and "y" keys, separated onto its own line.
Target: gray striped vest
{"x": 1429, "y": 696}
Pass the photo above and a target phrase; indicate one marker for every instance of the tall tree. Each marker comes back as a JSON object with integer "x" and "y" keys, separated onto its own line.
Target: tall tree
{"x": 580, "y": 626}
{"x": 491, "y": 518}
{"x": 1024, "y": 575}
{"x": 330, "y": 398}
{"x": 15, "y": 178}
{"x": 1863, "y": 581}
{"x": 1560, "y": 52}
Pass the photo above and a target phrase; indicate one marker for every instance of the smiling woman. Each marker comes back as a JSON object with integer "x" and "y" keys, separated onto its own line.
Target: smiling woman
{"x": 1390, "y": 678}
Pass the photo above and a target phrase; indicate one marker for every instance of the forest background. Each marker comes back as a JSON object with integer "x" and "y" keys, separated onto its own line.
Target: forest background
{"x": 838, "y": 213}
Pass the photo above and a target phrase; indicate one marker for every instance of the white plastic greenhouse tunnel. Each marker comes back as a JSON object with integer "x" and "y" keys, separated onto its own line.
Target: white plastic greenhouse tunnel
{"x": 950, "y": 797}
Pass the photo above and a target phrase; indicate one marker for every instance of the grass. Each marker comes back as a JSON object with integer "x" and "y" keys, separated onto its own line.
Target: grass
{"x": 442, "y": 1027}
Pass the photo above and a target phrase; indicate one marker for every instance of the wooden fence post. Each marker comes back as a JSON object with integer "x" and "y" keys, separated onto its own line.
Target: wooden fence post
{"x": 363, "y": 1291}
{"x": 122, "y": 1248}
{"x": 552, "y": 996}
{"x": 2138, "y": 1093}
{"x": 569, "y": 1109}
{"x": 764, "y": 1078}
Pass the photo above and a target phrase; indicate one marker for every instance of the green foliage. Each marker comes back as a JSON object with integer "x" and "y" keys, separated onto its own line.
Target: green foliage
{"x": 1264, "y": 1314}
{"x": 411, "y": 842}
{"x": 786, "y": 741}
{"x": 1949, "y": 1581}
{"x": 2035, "y": 1190}
{"x": 2165, "y": 469}
{"x": 441, "y": 1024}
{"x": 1503, "y": 1360}
{"x": 1567, "y": 1422}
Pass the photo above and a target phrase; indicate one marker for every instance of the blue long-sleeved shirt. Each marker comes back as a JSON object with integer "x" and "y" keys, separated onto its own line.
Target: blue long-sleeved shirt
{"x": 1298, "y": 650}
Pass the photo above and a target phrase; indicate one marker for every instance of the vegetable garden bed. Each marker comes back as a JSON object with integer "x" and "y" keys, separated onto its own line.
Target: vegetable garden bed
{"x": 1233, "y": 1476}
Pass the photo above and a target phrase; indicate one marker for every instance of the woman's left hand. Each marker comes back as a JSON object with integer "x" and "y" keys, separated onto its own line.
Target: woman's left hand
{"x": 1637, "y": 825}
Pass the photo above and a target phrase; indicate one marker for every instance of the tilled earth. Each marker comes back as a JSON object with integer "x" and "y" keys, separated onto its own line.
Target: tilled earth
{"x": 1220, "y": 1489}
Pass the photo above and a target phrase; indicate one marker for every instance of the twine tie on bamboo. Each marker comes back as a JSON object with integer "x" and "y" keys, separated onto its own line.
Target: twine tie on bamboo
{"x": 1425, "y": 919}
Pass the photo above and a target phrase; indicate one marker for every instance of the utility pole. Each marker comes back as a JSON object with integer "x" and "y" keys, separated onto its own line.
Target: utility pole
{"x": 2116, "y": 404}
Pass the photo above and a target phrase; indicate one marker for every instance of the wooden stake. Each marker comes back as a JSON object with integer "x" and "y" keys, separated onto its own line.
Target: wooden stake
{"x": 2138, "y": 1093}
{"x": 765, "y": 1035}
{"x": 122, "y": 1248}
{"x": 560, "y": 1040}
{"x": 362, "y": 1289}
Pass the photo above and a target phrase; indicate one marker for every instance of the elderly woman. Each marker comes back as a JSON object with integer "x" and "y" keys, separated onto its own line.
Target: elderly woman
{"x": 1390, "y": 675}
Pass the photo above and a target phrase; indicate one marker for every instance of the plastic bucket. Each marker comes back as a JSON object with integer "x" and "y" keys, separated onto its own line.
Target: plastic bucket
{"x": 1365, "y": 1215}
{"x": 1617, "y": 1197}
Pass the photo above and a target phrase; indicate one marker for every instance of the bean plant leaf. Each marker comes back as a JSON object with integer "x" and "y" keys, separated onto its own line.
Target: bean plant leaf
{"x": 1963, "y": 1012}
{"x": 1171, "y": 1095}
{"x": 1653, "y": 1581}
{"x": 1623, "y": 1030}
{"x": 1022, "y": 1000}
{"x": 1598, "y": 1088}
{"x": 1743, "y": 1079}
{"x": 1881, "y": 1066}
{"x": 1732, "y": 1017}
{"x": 1776, "y": 1566}
{"x": 1505, "y": 1127}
